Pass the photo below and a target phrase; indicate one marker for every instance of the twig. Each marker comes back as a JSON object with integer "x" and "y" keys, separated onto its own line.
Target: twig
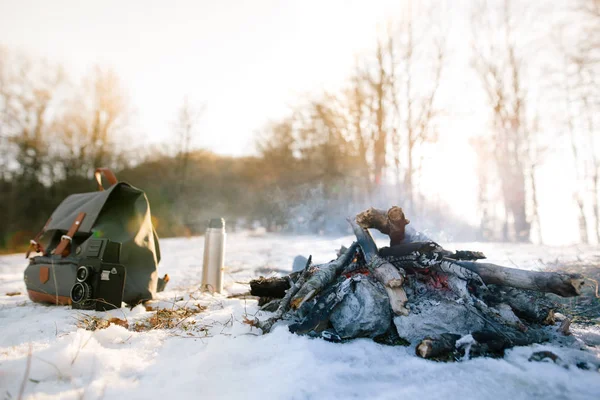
{"x": 26, "y": 377}
{"x": 595, "y": 284}
{"x": 80, "y": 347}
{"x": 284, "y": 305}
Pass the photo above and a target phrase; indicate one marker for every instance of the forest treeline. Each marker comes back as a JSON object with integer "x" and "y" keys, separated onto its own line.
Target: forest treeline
{"x": 336, "y": 152}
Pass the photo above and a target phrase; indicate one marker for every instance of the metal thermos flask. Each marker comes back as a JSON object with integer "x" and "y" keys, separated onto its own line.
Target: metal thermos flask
{"x": 214, "y": 256}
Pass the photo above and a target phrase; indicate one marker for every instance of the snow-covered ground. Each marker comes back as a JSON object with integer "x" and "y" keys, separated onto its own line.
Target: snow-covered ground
{"x": 214, "y": 354}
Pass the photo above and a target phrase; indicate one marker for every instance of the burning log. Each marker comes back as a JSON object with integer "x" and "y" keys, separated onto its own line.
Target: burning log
{"x": 562, "y": 284}
{"x": 392, "y": 222}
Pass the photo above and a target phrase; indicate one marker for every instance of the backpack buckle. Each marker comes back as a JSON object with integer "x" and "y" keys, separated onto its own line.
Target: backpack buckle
{"x": 34, "y": 245}
{"x": 67, "y": 239}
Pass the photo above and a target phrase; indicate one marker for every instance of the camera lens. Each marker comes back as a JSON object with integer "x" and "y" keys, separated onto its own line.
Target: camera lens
{"x": 80, "y": 292}
{"x": 82, "y": 273}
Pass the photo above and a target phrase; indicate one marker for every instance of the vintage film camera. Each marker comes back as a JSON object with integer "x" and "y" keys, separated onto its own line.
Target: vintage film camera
{"x": 100, "y": 279}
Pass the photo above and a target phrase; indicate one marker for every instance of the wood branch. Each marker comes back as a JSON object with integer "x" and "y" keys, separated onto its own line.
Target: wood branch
{"x": 437, "y": 347}
{"x": 325, "y": 275}
{"x": 318, "y": 317}
{"x": 564, "y": 327}
{"x": 392, "y": 279}
{"x": 284, "y": 305}
{"x": 562, "y": 284}
{"x": 391, "y": 222}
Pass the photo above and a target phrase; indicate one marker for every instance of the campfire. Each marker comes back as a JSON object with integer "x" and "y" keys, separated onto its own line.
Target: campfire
{"x": 449, "y": 304}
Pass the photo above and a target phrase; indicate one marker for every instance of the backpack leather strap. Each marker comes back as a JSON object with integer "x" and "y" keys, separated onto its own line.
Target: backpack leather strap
{"x": 66, "y": 240}
{"x": 34, "y": 244}
{"x": 108, "y": 174}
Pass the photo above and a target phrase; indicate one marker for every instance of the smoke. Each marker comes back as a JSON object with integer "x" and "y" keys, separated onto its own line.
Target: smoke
{"x": 317, "y": 209}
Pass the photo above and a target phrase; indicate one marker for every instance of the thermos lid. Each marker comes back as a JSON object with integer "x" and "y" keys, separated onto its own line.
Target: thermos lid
{"x": 218, "y": 223}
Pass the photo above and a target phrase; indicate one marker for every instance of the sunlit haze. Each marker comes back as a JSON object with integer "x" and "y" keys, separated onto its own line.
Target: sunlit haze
{"x": 248, "y": 62}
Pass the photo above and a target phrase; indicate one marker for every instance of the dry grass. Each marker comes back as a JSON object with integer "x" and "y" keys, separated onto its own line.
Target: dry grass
{"x": 586, "y": 307}
{"x": 161, "y": 318}
{"x": 169, "y": 318}
{"x": 93, "y": 323}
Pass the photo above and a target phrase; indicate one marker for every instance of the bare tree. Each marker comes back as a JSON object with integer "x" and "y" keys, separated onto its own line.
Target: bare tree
{"x": 94, "y": 125}
{"x": 357, "y": 111}
{"x": 416, "y": 57}
{"x": 28, "y": 91}
{"x": 502, "y": 71}
{"x": 484, "y": 153}
{"x": 579, "y": 48}
{"x": 587, "y": 65}
{"x": 185, "y": 128}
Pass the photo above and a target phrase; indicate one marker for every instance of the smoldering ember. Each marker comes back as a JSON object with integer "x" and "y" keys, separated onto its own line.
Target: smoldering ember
{"x": 450, "y": 305}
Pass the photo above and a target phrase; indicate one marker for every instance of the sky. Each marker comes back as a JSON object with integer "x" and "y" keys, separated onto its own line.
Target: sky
{"x": 248, "y": 62}
{"x": 245, "y": 61}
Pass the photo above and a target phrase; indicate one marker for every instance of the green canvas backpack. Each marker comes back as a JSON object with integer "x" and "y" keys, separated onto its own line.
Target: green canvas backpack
{"x": 121, "y": 214}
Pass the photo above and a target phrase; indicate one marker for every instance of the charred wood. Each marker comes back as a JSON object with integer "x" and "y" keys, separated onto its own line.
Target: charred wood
{"x": 284, "y": 305}
{"x": 491, "y": 343}
{"x": 482, "y": 343}
{"x": 318, "y": 318}
{"x": 437, "y": 347}
{"x": 391, "y": 277}
{"x": 275, "y": 287}
{"x": 562, "y": 284}
{"x": 528, "y": 305}
{"x": 323, "y": 277}
{"x": 269, "y": 304}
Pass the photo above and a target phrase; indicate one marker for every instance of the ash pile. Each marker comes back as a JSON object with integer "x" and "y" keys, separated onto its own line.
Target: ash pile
{"x": 448, "y": 304}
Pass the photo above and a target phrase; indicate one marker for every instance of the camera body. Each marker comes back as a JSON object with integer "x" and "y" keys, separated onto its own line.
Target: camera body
{"x": 100, "y": 279}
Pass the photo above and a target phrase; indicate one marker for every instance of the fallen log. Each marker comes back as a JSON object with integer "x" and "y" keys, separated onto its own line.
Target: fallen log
{"x": 324, "y": 276}
{"x": 391, "y": 222}
{"x": 562, "y": 284}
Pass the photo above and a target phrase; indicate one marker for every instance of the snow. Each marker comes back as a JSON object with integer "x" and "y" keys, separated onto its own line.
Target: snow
{"x": 214, "y": 354}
